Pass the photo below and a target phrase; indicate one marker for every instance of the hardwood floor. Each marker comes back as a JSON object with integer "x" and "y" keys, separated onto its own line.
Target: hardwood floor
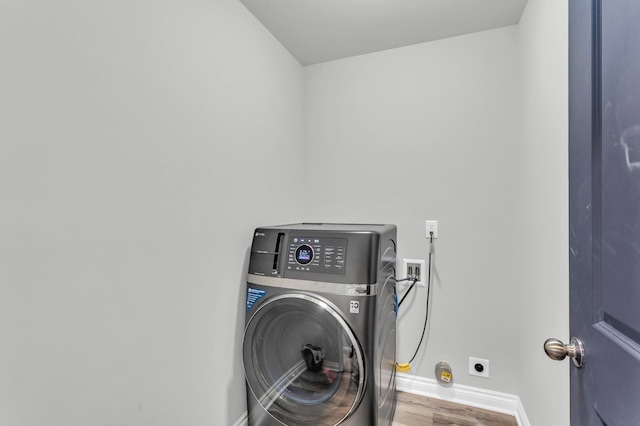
{"x": 417, "y": 410}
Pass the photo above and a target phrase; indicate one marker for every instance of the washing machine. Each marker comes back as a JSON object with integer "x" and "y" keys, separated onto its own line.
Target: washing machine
{"x": 319, "y": 345}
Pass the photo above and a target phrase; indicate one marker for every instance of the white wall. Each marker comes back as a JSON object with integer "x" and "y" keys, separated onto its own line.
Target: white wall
{"x": 140, "y": 143}
{"x": 431, "y": 131}
{"x": 544, "y": 269}
{"x": 471, "y": 131}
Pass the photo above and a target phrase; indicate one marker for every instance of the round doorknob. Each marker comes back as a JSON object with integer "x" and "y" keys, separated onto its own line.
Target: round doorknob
{"x": 558, "y": 351}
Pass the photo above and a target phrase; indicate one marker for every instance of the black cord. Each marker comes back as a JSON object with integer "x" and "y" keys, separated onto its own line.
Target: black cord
{"x": 426, "y": 317}
{"x": 415, "y": 280}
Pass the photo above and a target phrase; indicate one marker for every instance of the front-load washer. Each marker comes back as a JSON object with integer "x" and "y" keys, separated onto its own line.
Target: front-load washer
{"x": 319, "y": 345}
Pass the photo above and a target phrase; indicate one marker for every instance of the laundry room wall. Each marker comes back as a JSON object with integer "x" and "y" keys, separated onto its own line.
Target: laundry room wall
{"x": 140, "y": 144}
{"x": 431, "y": 131}
{"x": 544, "y": 260}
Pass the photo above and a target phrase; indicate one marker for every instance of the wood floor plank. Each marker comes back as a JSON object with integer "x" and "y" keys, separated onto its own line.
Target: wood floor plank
{"x": 418, "y": 410}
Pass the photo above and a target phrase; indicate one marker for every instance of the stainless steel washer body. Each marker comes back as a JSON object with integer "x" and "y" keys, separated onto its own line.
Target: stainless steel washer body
{"x": 319, "y": 344}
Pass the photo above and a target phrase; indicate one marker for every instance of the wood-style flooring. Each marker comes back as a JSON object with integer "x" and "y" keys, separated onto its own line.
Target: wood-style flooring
{"x": 417, "y": 410}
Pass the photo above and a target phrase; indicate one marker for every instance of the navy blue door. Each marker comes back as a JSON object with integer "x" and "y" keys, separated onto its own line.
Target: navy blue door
{"x": 604, "y": 223}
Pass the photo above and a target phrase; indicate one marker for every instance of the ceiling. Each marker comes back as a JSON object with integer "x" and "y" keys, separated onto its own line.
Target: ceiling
{"x": 324, "y": 30}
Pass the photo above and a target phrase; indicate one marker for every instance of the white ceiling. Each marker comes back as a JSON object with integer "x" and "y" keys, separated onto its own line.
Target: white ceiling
{"x": 323, "y": 30}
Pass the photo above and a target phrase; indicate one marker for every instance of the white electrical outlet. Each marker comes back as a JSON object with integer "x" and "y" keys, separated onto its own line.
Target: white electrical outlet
{"x": 413, "y": 268}
{"x": 479, "y": 367}
{"x": 432, "y": 226}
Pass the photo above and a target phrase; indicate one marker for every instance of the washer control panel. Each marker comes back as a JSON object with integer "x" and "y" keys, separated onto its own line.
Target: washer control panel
{"x": 317, "y": 254}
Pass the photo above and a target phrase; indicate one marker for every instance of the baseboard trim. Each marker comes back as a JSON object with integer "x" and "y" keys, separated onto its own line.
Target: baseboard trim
{"x": 467, "y": 395}
{"x": 461, "y": 394}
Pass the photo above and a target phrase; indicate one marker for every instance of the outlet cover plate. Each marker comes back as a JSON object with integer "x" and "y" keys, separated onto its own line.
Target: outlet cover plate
{"x": 485, "y": 367}
{"x": 432, "y": 226}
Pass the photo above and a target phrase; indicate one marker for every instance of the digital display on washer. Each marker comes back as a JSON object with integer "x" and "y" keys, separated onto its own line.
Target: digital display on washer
{"x": 317, "y": 254}
{"x": 304, "y": 254}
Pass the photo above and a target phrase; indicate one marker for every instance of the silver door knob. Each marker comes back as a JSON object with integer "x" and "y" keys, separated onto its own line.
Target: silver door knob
{"x": 558, "y": 351}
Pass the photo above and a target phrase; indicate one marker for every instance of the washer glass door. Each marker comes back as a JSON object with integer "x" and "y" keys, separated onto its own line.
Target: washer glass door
{"x": 302, "y": 361}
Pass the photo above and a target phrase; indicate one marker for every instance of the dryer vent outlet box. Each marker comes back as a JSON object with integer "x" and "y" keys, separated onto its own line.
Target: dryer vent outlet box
{"x": 320, "y": 327}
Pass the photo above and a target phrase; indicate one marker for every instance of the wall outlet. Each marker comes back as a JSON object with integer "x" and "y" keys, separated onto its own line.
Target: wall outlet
{"x": 432, "y": 226}
{"x": 479, "y": 367}
{"x": 413, "y": 268}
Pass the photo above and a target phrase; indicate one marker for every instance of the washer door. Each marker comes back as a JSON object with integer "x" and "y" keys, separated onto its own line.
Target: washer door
{"x": 302, "y": 361}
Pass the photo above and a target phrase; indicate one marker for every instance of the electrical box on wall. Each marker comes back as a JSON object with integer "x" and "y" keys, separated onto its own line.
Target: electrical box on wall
{"x": 479, "y": 367}
{"x": 413, "y": 269}
{"x": 432, "y": 227}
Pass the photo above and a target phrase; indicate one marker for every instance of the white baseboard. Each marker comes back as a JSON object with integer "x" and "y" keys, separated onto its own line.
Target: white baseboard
{"x": 467, "y": 395}
{"x": 461, "y": 394}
